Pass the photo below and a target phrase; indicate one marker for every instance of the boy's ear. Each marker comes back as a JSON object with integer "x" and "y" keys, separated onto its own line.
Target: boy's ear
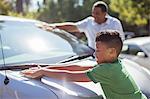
{"x": 111, "y": 51}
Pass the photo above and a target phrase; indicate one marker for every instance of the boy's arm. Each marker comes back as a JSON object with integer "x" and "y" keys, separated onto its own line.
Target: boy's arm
{"x": 70, "y": 67}
{"x": 77, "y": 76}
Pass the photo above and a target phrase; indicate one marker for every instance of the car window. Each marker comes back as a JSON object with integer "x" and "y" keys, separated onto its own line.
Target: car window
{"x": 147, "y": 47}
{"x": 131, "y": 49}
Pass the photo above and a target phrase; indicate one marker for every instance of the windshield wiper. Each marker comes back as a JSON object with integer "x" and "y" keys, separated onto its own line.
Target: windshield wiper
{"x": 29, "y": 65}
{"x": 21, "y": 66}
{"x": 76, "y": 58}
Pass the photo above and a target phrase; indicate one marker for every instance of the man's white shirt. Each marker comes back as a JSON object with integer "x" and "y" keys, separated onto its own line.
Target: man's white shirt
{"x": 91, "y": 28}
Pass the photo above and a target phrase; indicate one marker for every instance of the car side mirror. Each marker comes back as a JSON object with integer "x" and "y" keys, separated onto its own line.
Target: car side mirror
{"x": 141, "y": 54}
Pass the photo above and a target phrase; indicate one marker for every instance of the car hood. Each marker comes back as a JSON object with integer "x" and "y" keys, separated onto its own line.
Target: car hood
{"x": 23, "y": 88}
{"x": 71, "y": 90}
{"x": 84, "y": 90}
{"x": 48, "y": 88}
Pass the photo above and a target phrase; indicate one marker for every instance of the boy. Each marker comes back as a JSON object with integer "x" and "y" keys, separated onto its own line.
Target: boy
{"x": 109, "y": 72}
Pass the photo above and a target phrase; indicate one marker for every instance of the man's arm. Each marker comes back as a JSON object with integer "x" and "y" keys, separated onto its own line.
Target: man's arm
{"x": 119, "y": 27}
{"x": 67, "y": 26}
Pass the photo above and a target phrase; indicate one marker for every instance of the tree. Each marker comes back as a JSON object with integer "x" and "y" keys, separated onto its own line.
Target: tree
{"x": 22, "y": 6}
{"x": 19, "y": 6}
{"x": 65, "y": 10}
{"x": 56, "y": 11}
{"x": 133, "y": 12}
{"x": 5, "y": 7}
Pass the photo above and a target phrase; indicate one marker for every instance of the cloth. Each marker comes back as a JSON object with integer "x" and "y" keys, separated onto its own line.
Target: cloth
{"x": 90, "y": 28}
{"x": 116, "y": 82}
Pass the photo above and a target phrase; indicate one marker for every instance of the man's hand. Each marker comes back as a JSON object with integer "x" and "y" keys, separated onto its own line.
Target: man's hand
{"x": 45, "y": 26}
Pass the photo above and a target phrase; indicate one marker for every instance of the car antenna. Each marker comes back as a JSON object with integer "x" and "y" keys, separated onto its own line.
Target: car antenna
{"x": 6, "y": 80}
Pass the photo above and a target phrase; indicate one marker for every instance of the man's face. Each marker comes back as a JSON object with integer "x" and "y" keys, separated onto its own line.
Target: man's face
{"x": 98, "y": 15}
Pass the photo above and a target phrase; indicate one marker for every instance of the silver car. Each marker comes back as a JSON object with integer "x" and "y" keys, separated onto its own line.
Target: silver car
{"x": 138, "y": 50}
{"x": 23, "y": 45}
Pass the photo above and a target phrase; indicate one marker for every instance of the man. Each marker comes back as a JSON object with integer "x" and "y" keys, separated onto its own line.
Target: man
{"x": 99, "y": 21}
{"x": 116, "y": 82}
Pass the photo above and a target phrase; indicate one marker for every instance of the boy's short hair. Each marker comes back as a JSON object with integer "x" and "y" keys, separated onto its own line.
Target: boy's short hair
{"x": 111, "y": 38}
{"x": 101, "y": 5}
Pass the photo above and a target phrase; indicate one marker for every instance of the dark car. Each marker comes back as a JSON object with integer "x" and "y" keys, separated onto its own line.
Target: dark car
{"x": 129, "y": 35}
{"x": 23, "y": 45}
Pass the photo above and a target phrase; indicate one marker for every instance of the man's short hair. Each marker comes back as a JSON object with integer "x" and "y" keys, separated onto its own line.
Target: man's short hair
{"x": 111, "y": 38}
{"x": 101, "y": 5}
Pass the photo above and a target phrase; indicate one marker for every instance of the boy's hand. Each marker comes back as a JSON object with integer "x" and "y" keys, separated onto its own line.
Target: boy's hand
{"x": 32, "y": 73}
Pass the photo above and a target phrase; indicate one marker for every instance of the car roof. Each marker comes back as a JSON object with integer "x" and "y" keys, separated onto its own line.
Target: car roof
{"x": 12, "y": 18}
{"x": 138, "y": 40}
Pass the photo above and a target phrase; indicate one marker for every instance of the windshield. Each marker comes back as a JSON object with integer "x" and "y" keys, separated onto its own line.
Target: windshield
{"x": 24, "y": 42}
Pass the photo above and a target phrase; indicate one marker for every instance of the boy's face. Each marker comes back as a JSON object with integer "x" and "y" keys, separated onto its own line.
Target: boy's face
{"x": 103, "y": 53}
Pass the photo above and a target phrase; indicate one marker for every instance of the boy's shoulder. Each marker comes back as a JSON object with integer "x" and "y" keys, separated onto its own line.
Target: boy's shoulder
{"x": 115, "y": 64}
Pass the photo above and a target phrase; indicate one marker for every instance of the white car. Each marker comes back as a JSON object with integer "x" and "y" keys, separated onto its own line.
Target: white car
{"x": 138, "y": 50}
{"x": 24, "y": 45}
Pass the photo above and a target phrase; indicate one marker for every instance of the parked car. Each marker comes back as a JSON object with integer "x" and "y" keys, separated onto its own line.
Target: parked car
{"x": 138, "y": 50}
{"x": 24, "y": 45}
{"x": 129, "y": 35}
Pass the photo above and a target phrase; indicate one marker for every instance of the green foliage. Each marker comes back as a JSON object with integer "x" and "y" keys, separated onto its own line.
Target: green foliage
{"x": 30, "y": 15}
{"x": 49, "y": 12}
{"x": 57, "y": 12}
{"x": 134, "y": 12}
{"x": 5, "y": 7}
{"x": 65, "y": 10}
